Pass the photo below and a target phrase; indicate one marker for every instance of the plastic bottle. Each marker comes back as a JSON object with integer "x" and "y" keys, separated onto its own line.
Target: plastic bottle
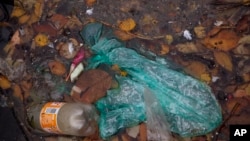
{"x": 76, "y": 119}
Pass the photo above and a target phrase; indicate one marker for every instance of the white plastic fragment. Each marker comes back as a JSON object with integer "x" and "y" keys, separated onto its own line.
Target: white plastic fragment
{"x": 70, "y": 47}
{"x": 51, "y": 45}
{"x": 187, "y": 35}
{"x": 218, "y": 23}
{"x": 133, "y": 131}
{"x": 76, "y": 72}
{"x": 89, "y": 11}
{"x": 215, "y": 78}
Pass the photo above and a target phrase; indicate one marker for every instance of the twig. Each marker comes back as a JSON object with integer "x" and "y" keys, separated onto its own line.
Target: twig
{"x": 137, "y": 35}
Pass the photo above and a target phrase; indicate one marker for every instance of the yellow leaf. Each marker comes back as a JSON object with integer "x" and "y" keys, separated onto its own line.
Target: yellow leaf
{"x": 4, "y": 82}
{"x": 205, "y": 77}
{"x": 224, "y": 60}
{"x": 38, "y": 9}
{"x": 123, "y": 73}
{"x": 127, "y": 24}
{"x": 115, "y": 68}
{"x": 169, "y": 39}
{"x": 41, "y": 40}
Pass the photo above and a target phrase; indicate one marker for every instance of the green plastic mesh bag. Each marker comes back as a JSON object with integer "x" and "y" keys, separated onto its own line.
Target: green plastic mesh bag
{"x": 188, "y": 104}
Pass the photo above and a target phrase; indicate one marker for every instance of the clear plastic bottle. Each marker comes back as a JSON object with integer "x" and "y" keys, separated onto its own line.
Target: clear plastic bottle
{"x": 76, "y": 119}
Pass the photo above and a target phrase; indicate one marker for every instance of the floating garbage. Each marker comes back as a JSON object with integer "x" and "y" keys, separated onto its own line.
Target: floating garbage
{"x": 76, "y": 119}
{"x": 187, "y": 104}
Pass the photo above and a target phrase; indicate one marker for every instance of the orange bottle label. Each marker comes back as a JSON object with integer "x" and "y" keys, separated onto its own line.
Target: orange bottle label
{"x": 48, "y": 117}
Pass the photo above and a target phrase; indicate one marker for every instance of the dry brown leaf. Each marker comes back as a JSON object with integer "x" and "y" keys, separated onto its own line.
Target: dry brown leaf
{"x": 45, "y": 28}
{"x": 58, "y": 20}
{"x": 231, "y": 104}
{"x": 91, "y": 86}
{"x": 115, "y": 138}
{"x": 124, "y": 36}
{"x": 224, "y": 40}
{"x": 242, "y": 49}
{"x": 214, "y": 31}
{"x": 240, "y": 93}
{"x": 17, "y": 12}
{"x": 24, "y": 18}
{"x": 4, "y": 82}
{"x": 243, "y": 24}
{"x": 37, "y": 13}
{"x": 200, "y": 31}
{"x": 164, "y": 49}
{"x": 239, "y": 120}
{"x": 246, "y": 88}
{"x": 38, "y": 8}
{"x": 147, "y": 19}
{"x": 224, "y": 60}
{"x": 246, "y": 77}
{"x": 143, "y": 132}
{"x": 230, "y": 89}
{"x": 26, "y": 86}
{"x": 33, "y": 19}
{"x": 73, "y": 22}
{"x": 125, "y": 137}
{"x": 17, "y": 92}
{"x": 127, "y": 24}
{"x": 57, "y": 67}
{"x": 15, "y": 39}
{"x": 50, "y": 139}
{"x": 67, "y": 50}
{"x": 86, "y": 139}
{"x": 245, "y": 40}
{"x": 188, "y": 47}
{"x": 196, "y": 69}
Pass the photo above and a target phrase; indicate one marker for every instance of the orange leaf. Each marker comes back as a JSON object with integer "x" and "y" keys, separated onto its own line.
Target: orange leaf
{"x": 224, "y": 40}
{"x": 164, "y": 49}
{"x": 224, "y": 60}
{"x": 127, "y": 24}
{"x": 4, "y": 82}
{"x": 90, "y": 2}
{"x": 124, "y": 36}
{"x": 57, "y": 68}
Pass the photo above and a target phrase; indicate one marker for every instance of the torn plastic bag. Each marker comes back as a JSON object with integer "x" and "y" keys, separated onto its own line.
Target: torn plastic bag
{"x": 157, "y": 124}
{"x": 188, "y": 104}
